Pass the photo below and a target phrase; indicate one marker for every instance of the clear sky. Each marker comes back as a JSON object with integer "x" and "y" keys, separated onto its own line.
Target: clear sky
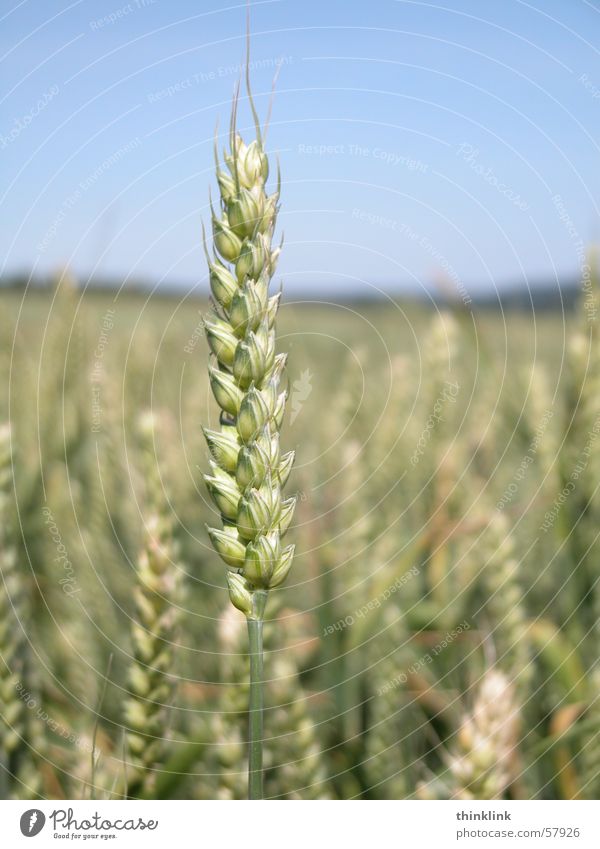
{"x": 454, "y": 141}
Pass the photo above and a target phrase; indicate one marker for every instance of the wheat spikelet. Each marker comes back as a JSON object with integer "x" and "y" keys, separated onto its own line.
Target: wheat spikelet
{"x": 295, "y": 762}
{"x": 12, "y": 640}
{"x": 582, "y": 454}
{"x": 393, "y": 716}
{"x": 21, "y": 735}
{"x": 248, "y": 472}
{"x": 484, "y": 762}
{"x": 350, "y": 528}
{"x": 580, "y": 468}
{"x": 580, "y": 457}
{"x": 434, "y": 462}
{"x": 155, "y": 596}
{"x": 439, "y": 370}
{"x": 227, "y": 759}
{"x": 541, "y": 438}
{"x": 502, "y": 583}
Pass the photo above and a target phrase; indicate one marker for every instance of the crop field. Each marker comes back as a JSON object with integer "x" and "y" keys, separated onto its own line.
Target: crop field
{"x": 437, "y": 636}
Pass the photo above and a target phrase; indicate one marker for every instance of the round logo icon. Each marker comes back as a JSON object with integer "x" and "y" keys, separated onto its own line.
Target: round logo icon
{"x": 32, "y": 822}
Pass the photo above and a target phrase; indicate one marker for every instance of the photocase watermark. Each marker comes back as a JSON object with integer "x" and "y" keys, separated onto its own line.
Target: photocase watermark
{"x": 389, "y": 157}
{"x": 379, "y": 220}
{"x": 321, "y": 149}
{"x": 578, "y": 469}
{"x": 590, "y": 305}
{"x": 32, "y": 822}
{"x": 196, "y": 336}
{"x": 97, "y": 374}
{"x": 84, "y": 185}
{"x": 96, "y": 823}
{"x": 69, "y": 581}
{"x": 470, "y": 154}
{"x": 374, "y": 604}
{"x": 424, "y": 660}
{"x": 118, "y": 14}
{"x": 593, "y": 89}
{"x": 422, "y": 241}
{"x": 203, "y": 77}
{"x": 20, "y": 124}
{"x": 448, "y": 396}
{"x": 527, "y": 460}
{"x": 301, "y": 390}
{"x": 32, "y": 704}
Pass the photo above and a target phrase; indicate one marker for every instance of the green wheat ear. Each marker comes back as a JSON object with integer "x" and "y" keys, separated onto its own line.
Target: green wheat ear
{"x": 246, "y": 376}
{"x": 22, "y": 741}
{"x": 248, "y": 471}
{"x": 12, "y": 641}
{"x": 11, "y": 633}
{"x": 484, "y": 761}
{"x": 152, "y": 628}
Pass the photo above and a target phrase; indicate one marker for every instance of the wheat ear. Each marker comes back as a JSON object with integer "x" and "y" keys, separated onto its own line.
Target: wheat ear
{"x": 12, "y": 707}
{"x": 155, "y": 597}
{"x": 484, "y": 761}
{"x": 22, "y": 741}
{"x": 247, "y": 470}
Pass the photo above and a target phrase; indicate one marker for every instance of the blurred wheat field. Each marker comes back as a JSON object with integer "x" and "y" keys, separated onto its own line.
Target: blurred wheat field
{"x": 440, "y": 627}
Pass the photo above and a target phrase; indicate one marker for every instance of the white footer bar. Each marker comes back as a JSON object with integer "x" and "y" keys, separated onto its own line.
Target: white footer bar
{"x": 300, "y": 825}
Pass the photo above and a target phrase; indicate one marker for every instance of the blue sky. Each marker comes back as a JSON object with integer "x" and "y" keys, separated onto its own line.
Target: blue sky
{"x": 419, "y": 142}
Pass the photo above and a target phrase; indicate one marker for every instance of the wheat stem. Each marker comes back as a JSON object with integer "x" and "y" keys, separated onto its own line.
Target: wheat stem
{"x": 256, "y": 710}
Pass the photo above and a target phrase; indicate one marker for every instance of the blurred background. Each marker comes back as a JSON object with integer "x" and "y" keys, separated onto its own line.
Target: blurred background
{"x": 438, "y": 635}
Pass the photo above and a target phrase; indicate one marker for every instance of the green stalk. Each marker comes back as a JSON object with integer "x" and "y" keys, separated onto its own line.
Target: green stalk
{"x": 256, "y": 708}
